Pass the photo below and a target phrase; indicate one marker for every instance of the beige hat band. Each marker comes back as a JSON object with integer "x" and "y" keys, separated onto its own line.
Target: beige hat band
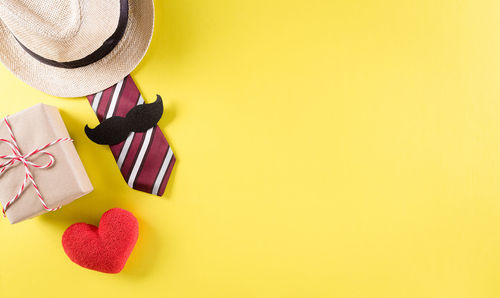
{"x": 106, "y": 48}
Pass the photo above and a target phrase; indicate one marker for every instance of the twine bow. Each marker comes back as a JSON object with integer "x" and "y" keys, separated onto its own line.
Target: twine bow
{"x": 17, "y": 156}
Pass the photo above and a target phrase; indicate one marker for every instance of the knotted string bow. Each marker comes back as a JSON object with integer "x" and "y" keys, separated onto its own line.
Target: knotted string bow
{"x": 17, "y": 156}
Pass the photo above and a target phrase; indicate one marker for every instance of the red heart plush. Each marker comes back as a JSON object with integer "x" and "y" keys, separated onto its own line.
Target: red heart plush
{"x": 105, "y": 248}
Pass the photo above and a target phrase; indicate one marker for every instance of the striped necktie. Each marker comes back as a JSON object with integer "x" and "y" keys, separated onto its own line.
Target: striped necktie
{"x": 145, "y": 159}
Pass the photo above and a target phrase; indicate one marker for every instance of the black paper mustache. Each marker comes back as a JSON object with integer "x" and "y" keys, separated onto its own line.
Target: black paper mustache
{"x": 115, "y": 130}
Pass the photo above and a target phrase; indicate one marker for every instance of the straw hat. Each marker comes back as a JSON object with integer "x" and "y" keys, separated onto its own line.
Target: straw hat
{"x": 73, "y": 48}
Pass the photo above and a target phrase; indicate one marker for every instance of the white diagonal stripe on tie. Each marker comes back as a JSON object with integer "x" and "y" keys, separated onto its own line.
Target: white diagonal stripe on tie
{"x": 140, "y": 101}
{"x": 114, "y": 99}
{"x": 140, "y": 157}
{"x": 128, "y": 142}
{"x": 97, "y": 99}
{"x": 162, "y": 172}
{"x": 123, "y": 153}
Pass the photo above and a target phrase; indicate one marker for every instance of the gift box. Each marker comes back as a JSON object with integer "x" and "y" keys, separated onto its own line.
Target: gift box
{"x": 57, "y": 170}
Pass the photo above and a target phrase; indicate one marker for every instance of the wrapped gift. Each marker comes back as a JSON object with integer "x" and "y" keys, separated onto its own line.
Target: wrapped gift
{"x": 40, "y": 170}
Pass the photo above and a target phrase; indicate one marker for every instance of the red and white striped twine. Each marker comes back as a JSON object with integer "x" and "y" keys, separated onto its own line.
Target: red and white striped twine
{"x": 17, "y": 156}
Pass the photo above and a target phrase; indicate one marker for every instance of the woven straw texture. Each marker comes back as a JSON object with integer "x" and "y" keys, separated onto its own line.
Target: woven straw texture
{"x": 42, "y": 35}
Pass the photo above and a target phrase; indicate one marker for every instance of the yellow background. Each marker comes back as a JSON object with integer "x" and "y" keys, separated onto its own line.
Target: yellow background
{"x": 325, "y": 149}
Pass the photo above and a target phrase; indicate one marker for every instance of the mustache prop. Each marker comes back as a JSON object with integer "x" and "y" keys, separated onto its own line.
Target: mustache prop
{"x": 115, "y": 130}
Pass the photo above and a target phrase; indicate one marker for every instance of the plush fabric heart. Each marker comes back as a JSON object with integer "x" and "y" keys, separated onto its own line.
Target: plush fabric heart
{"x": 105, "y": 248}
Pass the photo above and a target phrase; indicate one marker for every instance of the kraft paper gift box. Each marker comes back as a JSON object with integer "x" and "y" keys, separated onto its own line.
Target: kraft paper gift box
{"x": 60, "y": 184}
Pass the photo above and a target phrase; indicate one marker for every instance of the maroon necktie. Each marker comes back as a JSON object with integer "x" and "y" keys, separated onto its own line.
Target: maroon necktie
{"x": 145, "y": 159}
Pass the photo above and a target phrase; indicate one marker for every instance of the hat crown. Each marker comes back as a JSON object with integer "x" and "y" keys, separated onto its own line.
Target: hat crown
{"x": 61, "y": 30}
{"x": 54, "y": 19}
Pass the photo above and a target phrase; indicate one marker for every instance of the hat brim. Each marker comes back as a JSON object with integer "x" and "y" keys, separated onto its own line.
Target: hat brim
{"x": 89, "y": 79}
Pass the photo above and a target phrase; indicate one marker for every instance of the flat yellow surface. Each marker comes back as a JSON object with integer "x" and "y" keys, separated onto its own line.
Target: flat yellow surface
{"x": 325, "y": 149}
